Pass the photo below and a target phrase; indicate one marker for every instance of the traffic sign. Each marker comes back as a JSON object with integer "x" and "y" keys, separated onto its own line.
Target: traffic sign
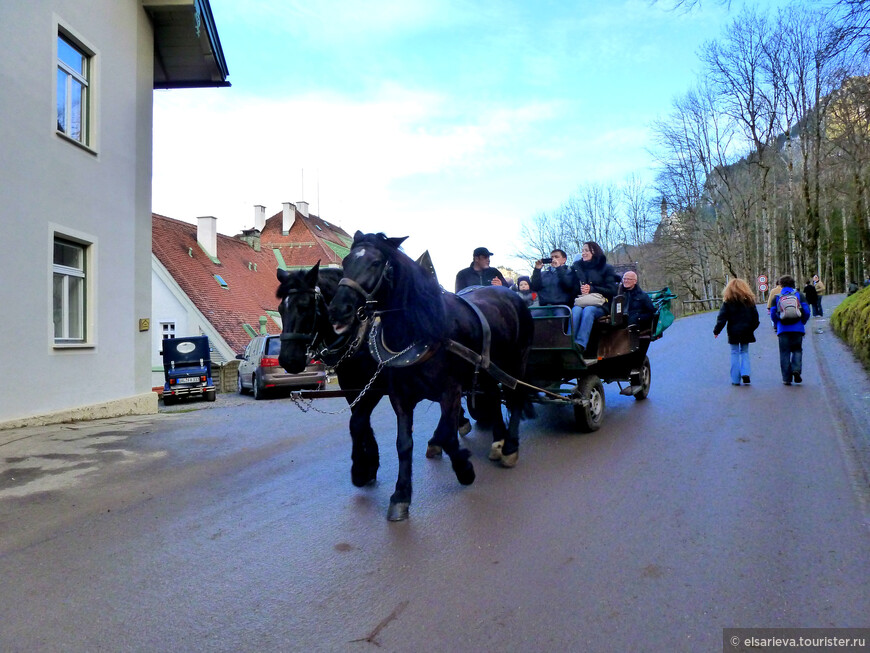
{"x": 762, "y": 279}
{"x": 762, "y": 287}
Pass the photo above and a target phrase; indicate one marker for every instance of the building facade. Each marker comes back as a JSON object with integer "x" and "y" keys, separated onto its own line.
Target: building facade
{"x": 75, "y": 195}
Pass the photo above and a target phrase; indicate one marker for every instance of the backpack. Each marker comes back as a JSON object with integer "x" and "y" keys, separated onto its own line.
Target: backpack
{"x": 789, "y": 308}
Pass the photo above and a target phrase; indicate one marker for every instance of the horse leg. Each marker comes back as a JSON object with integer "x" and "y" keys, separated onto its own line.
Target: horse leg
{"x": 433, "y": 448}
{"x": 364, "y": 456}
{"x": 446, "y": 435}
{"x": 400, "y": 502}
{"x": 511, "y": 451}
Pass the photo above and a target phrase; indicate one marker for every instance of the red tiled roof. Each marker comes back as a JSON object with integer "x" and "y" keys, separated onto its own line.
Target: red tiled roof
{"x": 249, "y": 275}
{"x": 307, "y": 241}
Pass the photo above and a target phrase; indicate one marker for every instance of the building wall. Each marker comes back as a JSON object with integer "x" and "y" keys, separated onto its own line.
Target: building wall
{"x": 103, "y": 196}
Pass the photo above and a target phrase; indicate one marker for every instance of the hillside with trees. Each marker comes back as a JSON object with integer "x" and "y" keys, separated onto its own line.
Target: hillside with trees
{"x": 762, "y": 167}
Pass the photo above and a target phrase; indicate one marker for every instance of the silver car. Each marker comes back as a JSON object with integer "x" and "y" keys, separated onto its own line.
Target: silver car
{"x": 260, "y": 372}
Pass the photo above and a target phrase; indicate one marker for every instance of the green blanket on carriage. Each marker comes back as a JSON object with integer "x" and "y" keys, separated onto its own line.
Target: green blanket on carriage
{"x": 662, "y": 299}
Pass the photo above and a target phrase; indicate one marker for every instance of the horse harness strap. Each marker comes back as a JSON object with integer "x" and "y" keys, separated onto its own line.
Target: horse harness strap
{"x": 481, "y": 360}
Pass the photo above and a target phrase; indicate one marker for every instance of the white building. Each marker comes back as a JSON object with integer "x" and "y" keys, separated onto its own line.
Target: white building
{"x": 75, "y": 195}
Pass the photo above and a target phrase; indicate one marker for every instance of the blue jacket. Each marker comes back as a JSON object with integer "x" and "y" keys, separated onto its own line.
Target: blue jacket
{"x": 797, "y": 327}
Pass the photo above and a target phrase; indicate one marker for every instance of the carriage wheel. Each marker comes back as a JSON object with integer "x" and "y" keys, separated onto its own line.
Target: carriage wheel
{"x": 645, "y": 380}
{"x": 590, "y": 416}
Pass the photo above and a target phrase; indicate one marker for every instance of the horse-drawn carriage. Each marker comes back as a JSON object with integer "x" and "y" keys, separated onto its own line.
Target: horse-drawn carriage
{"x": 388, "y": 314}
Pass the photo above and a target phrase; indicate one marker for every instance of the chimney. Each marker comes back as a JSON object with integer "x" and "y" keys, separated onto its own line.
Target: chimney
{"x": 259, "y": 217}
{"x": 263, "y": 329}
{"x": 206, "y": 234}
{"x": 303, "y": 208}
{"x": 289, "y": 217}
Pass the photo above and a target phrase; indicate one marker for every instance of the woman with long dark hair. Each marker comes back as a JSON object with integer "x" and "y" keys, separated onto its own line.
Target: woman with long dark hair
{"x": 739, "y": 313}
{"x": 596, "y": 277}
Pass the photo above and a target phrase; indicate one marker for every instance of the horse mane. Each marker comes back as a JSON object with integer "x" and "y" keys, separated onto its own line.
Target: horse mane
{"x": 414, "y": 291}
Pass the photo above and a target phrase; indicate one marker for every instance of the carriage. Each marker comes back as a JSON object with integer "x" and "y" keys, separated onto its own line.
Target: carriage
{"x": 617, "y": 352}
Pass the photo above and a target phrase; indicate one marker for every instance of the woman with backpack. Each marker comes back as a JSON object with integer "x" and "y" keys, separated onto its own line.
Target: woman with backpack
{"x": 739, "y": 313}
{"x": 789, "y": 313}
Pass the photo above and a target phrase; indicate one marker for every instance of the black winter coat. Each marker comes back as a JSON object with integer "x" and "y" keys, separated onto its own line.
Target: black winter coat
{"x": 640, "y": 306}
{"x": 471, "y": 277}
{"x": 599, "y": 274}
{"x": 742, "y": 321}
{"x": 555, "y": 285}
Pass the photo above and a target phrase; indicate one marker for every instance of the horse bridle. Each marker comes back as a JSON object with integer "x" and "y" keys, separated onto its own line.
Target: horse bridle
{"x": 295, "y": 335}
{"x": 365, "y": 311}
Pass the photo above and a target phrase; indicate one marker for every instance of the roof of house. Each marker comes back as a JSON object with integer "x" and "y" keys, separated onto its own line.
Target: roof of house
{"x": 310, "y": 239}
{"x": 235, "y": 306}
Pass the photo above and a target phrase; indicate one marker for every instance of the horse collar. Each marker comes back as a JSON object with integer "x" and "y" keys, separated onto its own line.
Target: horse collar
{"x": 417, "y": 352}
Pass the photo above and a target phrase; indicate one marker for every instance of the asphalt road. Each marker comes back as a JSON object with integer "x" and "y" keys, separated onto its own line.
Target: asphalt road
{"x": 235, "y": 527}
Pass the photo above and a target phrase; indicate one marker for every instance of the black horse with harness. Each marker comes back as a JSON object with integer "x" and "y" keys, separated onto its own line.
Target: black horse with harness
{"x": 306, "y": 328}
{"x": 433, "y": 345}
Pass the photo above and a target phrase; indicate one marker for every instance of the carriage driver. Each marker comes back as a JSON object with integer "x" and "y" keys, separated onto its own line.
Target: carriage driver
{"x": 479, "y": 273}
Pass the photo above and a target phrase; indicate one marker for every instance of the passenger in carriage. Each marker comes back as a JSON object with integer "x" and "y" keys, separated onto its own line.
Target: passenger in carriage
{"x": 598, "y": 284}
{"x": 556, "y": 284}
{"x": 480, "y": 273}
{"x": 640, "y": 308}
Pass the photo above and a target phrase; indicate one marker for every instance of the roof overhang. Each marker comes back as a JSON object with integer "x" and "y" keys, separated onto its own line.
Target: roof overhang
{"x": 187, "y": 48}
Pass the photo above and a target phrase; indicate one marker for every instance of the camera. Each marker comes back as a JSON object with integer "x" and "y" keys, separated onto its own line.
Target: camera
{"x": 546, "y": 260}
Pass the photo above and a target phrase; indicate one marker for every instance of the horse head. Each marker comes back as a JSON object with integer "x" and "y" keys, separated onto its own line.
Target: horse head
{"x": 368, "y": 274}
{"x": 298, "y": 294}
{"x": 381, "y": 278}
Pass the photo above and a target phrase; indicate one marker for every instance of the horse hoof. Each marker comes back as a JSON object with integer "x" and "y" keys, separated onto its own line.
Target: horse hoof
{"x": 363, "y": 478}
{"x": 510, "y": 460}
{"x": 466, "y": 476}
{"x": 465, "y": 428}
{"x": 398, "y": 511}
{"x": 434, "y": 451}
{"x": 495, "y": 450}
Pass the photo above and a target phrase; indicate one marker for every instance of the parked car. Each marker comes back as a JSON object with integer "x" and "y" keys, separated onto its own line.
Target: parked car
{"x": 187, "y": 369}
{"x": 260, "y": 372}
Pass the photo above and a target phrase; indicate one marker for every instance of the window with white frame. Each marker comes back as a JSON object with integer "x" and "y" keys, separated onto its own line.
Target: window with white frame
{"x": 73, "y": 89}
{"x": 70, "y": 290}
{"x": 168, "y": 329}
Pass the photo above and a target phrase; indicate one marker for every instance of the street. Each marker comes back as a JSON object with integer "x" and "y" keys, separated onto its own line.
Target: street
{"x": 234, "y": 526}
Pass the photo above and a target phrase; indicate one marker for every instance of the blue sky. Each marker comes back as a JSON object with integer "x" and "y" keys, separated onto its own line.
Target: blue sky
{"x": 451, "y": 122}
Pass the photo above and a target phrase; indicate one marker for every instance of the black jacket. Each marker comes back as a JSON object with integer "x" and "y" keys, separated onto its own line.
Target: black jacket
{"x": 742, "y": 320}
{"x": 640, "y": 307}
{"x": 810, "y": 294}
{"x": 599, "y": 274}
{"x": 471, "y": 277}
{"x": 555, "y": 285}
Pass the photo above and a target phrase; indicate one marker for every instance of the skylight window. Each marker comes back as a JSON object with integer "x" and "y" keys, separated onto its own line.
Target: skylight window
{"x": 221, "y": 281}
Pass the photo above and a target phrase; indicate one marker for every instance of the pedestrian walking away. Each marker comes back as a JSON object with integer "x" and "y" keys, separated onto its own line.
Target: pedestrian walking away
{"x": 820, "y": 290}
{"x": 739, "y": 315}
{"x": 789, "y": 313}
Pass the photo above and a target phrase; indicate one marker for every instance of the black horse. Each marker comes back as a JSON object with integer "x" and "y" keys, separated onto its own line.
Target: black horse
{"x": 437, "y": 344}
{"x": 305, "y": 325}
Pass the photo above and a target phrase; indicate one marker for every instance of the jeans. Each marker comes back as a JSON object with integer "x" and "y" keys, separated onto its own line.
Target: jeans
{"x": 739, "y": 362}
{"x": 791, "y": 353}
{"x": 817, "y": 307}
{"x": 582, "y": 319}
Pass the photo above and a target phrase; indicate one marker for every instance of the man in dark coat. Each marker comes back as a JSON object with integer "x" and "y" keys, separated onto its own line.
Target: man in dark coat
{"x": 640, "y": 308}
{"x": 556, "y": 284}
{"x": 479, "y": 273}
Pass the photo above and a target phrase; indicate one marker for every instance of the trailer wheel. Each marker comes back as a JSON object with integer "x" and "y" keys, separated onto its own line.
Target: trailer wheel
{"x": 645, "y": 380}
{"x": 589, "y": 417}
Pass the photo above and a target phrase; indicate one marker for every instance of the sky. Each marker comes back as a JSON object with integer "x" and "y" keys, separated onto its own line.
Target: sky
{"x": 452, "y": 122}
